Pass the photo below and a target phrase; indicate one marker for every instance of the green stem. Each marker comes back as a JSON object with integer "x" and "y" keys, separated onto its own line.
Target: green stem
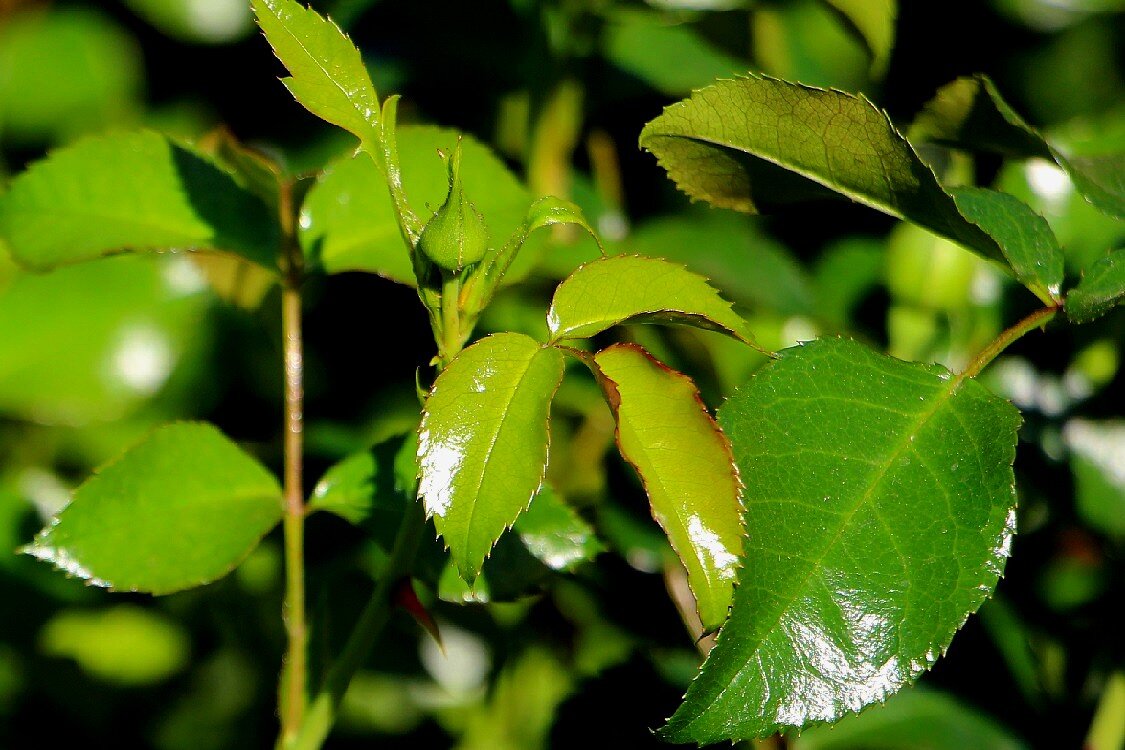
{"x": 293, "y": 695}
{"x": 324, "y": 707}
{"x": 451, "y": 338}
{"x": 1037, "y": 319}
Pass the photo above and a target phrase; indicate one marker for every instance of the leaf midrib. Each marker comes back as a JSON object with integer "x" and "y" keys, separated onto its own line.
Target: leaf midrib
{"x": 940, "y": 400}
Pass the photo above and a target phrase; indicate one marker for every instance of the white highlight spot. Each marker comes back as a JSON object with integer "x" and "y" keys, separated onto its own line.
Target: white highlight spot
{"x": 142, "y": 359}
{"x": 708, "y": 542}
{"x": 182, "y": 277}
{"x": 464, "y": 665}
{"x": 218, "y": 20}
{"x": 1048, "y": 181}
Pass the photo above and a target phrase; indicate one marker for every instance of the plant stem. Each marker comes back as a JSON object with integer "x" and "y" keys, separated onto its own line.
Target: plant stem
{"x": 293, "y": 697}
{"x": 452, "y": 337}
{"x": 1037, "y": 319}
{"x": 322, "y": 712}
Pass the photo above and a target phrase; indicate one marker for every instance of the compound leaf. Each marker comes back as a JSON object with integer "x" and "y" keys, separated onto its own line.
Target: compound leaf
{"x": 880, "y": 506}
{"x": 613, "y": 290}
{"x": 482, "y": 445}
{"x": 131, "y": 191}
{"x": 686, "y": 466}
{"x": 178, "y": 510}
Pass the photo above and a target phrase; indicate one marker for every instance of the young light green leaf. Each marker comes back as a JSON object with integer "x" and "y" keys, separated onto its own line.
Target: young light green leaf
{"x": 1024, "y": 236}
{"x": 178, "y": 510}
{"x": 156, "y": 195}
{"x": 482, "y": 445}
{"x": 327, "y": 72}
{"x": 874, "y": 20}
{"x": 348, "y": 222}
{"x": 738, "y": 142}
{"x": 1101, "y": 289}
{"x": 880, "y": 507}
{"x": 970, "y": 112}
{"x": 686, "y": 466}
{"x": 347, "y": 488}
{"x": 613, "y": 290}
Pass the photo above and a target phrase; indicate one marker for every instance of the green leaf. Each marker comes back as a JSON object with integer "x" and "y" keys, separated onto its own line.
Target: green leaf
{"x": 609, "y": 291}
{"x": 65, "y": 72}
{"x": 178, "y": 510}
{"x": 686, "y": 466}
{"x": 93, "y": 342}
{"x": 347, "y": 488}
{"x": 123, "y": 645}
{"x": 482, "y": 445}
{"x": 328, "y": 75}
{"x": 970, "y": 112}
{"x": 1024, "y": 236}
{"x": 672, "y": 58}
{"x": 737, "y": 142}
{"x": 348, "y": 222}
{"x": 131, "y": 191}
{"x": 556, "y": 535}
{"x": 1101, "y": 289}
{"x": 915, "y": 719}
{"x": 874, "y": 20}
{"x": 1098, "y": 463}
{"x": 880, "y": 507}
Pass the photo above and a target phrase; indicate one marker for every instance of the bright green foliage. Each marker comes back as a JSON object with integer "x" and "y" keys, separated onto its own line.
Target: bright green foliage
{"x": 328, "y": 75}
{"x": 482, "y": 446}
{"x": 455, "y": 236}
{"x": 915, "y": 718}
{"x": 1102, "y": 287}
{"x": 348, "y": 221}
{"x": 178, "y": 510}
{"x": 1098, "y": 463}
{"x": 725, "y": 143}
{"x": 672, "y": 58}
{"x": 159, "y": 195}
{"x": 880, "y": 506}
{"x": 126, "y": 645}
{"x": 92, "y": 342}
{"x": 1024, "y": 236}
{"x": 64, "y": 73}
{"x": 347, "y": 488}
{"x": 685, "y": 463}
{"x": 970, "y": 112}
{"x": 875, "y": 22}
{"x": 554, "y": 533}
{"x": 609, "y": 291}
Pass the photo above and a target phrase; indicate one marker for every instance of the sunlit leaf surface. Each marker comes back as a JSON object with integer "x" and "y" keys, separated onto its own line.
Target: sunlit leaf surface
{"x": 609, "y": 291}
{"x": 880, "y": 506}
{"x": 686, "y": 466}
{"x": 482, "y": 445}
{"x": 178, "y": 510}
{"x": 159, "y": 195}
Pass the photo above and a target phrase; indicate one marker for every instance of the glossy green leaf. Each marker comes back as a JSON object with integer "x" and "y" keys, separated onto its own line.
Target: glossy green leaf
{"x": 1024, "y": 236}
{"x": 178, "y": 510}
{"x": 880, "y": 507}
{"x": 685, "y": 463}
{"x": 327, "y": 72}
{"x": 348, "y": 222}
{"x": 92, "y": 342}
{"x": 556, "y": 535}
{"x": 672, "y": 58}
{"x": 874, "y": 20}
{"x": 65, "y": 72}
{"x": 158, "y": 195}
{"x": 609, "y": 291}
{"x": 916, "y": 719}
{"x": 970, "y": 112}
{"x": 482, "y": 446}
{"x": 738, "y": 142}
{"x": 1102, "y": 288}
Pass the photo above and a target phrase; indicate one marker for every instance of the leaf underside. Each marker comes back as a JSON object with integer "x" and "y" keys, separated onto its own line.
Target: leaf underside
{"x": 880, "y": 507}
{"x": 483, "y": 442}
{"x": 1101, "y": 289}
